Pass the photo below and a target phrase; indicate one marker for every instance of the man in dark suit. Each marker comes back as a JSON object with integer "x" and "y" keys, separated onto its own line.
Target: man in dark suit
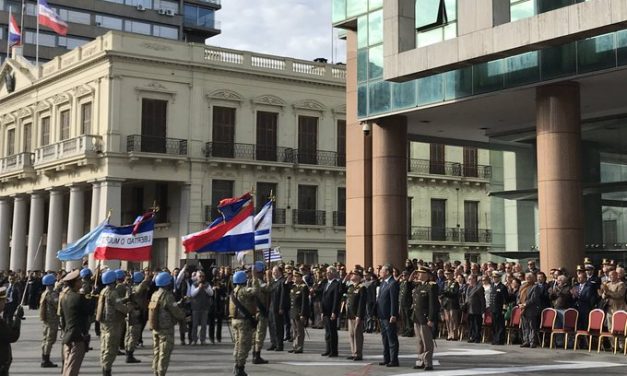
{"x": 14, "y": 296}
{"x": 530, "y": 301}
{"x": 279, "y": 308}
{"x": 387, "y": 311}
{"x": 331, "y": 311}
{"x": 475, "y": 305}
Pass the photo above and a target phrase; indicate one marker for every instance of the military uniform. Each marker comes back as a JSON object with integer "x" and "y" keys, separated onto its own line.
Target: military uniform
{"x": 404, "y": 297}
{"x": 9, "y": 333}
{"x": 111, "y": 313}
{"x": 48, "y": 313}
{"x": 299, "y": 311}
{"x": 498, "y": 297}
{"x": 243, "y": 327}
{"x": 124, "y": 290}
{"x": 263, "y": 303}
{"x": 167, "y": 314}
{"x": 425, "y": 310}
{"x": 138, "y": 303}
{"x": 356, "y": 298}
{"x": 450, "y": 304}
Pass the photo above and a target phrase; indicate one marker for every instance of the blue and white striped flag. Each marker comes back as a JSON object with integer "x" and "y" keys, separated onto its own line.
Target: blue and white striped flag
{"x": 263, "y": 227}
{"x": 83, "y": 246}
{"x": 271, "y": 255}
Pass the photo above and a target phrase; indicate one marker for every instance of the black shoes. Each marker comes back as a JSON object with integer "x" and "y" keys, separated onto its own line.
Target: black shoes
{"x": 393, "y": 364}
{"x": 46, "y": 363}
{"x": 271, "y": 348}
{"x": 428, "y": 368}
{"x": 326, "y": 353}
{"x": 383, "y": 363}
{"x": 422, "y": 366}
{"x": 131, "y": 359}
{"x": 358, "y": 358}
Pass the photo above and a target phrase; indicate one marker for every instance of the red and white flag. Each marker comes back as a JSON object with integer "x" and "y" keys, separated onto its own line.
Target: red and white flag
{"x": 48, "y": 17}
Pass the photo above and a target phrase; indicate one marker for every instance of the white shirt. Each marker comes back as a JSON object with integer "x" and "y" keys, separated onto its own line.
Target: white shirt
{"x": 194, "y": 290}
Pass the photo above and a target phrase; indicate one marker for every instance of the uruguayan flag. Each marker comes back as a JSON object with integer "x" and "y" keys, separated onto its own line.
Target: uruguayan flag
{"x": 263, "y": 227}
{"x": 272, "y": 255}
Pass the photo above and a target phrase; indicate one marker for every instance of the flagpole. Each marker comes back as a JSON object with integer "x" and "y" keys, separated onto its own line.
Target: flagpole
{"x": 8, "y": 39}
{"x": 22, "y": 20}
{"x": 37, "y": 39}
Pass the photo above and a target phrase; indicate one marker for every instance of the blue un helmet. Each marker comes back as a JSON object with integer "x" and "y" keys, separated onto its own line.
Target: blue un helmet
{"x": 109, "y": 277}
{"x": 138, "y": 277}
{"x": 163, "y": 279}
{"x": 85, "y": 273}
{"x": 240, "y": 277}
{"x": 260, "y": 266}
{"x": 48, "y": 280}
{"x": 119, "y": 274}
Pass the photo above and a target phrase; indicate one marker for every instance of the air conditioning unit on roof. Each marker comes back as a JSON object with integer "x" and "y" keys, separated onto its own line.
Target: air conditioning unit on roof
{"x": 169, "y": 12}
{"x": 162, "y": 11}
{"x": 140, "y": 7}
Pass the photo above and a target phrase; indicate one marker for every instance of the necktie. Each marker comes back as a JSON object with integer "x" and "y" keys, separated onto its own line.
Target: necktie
{"x": 9, "y": 294}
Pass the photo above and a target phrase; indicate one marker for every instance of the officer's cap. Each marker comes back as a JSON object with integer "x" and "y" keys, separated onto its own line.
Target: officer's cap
{"x": 605, "y": 262}
{"x": 580, "y": 268}
{"x": 423, "y": 269}
{"x": 298, "y": 272}
{"x": 71, "y": 276}
{"x": 358, "y": 273}
{"x": 496, "y": 273}
{"x": 587, "y": 260}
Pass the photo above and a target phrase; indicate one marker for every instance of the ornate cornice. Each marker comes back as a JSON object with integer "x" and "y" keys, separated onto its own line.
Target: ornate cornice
{"x": 225, "y": 95}
{"x": 269, "y": 100}
{"x": 310, "y": 105}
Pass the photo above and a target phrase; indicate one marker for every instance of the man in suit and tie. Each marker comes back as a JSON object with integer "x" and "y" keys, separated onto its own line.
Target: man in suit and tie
{"x": 387, "y": 310}
{"x": 331, "y": 311}
{"x": 279, "y": 309}
{"x": 14, "y": 296}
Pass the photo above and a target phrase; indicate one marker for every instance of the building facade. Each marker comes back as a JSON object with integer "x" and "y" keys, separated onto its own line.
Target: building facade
{"x": 126, "y": 122}
{"x": 537, "y": 81}
{"x": 185, "y": 20}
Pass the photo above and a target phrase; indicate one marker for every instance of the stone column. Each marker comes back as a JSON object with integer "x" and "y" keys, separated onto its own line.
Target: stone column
{"x": 76, "y": 221}
{"x": 95, "y": 217}
{"x": 184, "y": 209}
{"x": 35, "y": 253}
{"x": 559, "y": 176}
{"x": 5, "y": 232}
{"x": 111, "y": 199}
{"x": 358, "y": 170}
{"x": 389, "y": 191}
{"x": 55, "y": 229}
{"x": 18, "y": 234}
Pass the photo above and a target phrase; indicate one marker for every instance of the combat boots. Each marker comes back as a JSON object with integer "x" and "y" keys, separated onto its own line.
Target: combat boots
{"x": 130, "y": 358}
{"x": 257, "y": 359}
{"x": 45, "y": 362}
{"x": 239, "y": 371}
{"x": 106, "y": 372}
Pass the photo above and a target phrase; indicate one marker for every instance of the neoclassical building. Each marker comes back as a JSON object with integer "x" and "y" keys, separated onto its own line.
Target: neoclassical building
{"x": 126, "y": 122}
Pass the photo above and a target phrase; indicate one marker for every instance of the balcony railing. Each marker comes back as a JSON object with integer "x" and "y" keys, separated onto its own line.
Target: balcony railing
{"x": 161, "y": 145}
{"x": 427, "y": 167}
{"x": 16, "y": 162}
{"x": 447, "y": 234}
{"x": 67, "y": 148}
{"x": 339, "y": 219}
{"x": 273, "y": 154}
{"x": 309, "y": 217}
{"x": 278, "y": 215}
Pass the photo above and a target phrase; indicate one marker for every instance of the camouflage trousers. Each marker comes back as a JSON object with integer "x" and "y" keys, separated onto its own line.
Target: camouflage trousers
{"x": 133, "y": 335}
{"x": 163, "y": 343}
{"x": 243, "y": 339}
{"x": 50, "y": 337}
{"x": 260, "y": 333}
{"x": 110, "y": 335}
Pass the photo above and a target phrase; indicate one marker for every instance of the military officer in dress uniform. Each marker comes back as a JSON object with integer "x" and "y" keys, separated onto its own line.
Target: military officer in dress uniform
{"x": 299, "y": 310}
{"x": 498, "y": 298}
{"x": 263, "y": 303}
{"x": 163, "y": 315}
{"x": 356, "y": 298}
{"x": 48, "y": 308}
{"x": 242, "y": 310}
{"x": 110, "y": 313}
{"x": 137, "y": 304}
{"x": 404, "y": 296}
{"x": 75, "y": 311}
{"x": 451, "y": 306}
{"x": 9, "y": 333}
{"x": 425, "y": 314}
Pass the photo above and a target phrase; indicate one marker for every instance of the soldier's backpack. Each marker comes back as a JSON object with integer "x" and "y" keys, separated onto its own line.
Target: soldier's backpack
{"x": 153, "y": 311}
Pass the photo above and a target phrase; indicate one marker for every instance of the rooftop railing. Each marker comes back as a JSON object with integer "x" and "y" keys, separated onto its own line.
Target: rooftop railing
{"x": 273, "y": 154}
{"x": 454, "y": 234}
{"x": 428, "y": 167}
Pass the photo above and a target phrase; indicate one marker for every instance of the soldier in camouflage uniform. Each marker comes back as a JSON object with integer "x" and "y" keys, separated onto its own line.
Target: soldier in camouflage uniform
{"x": 48, "y": 307}
{"x": 425, "y": 314}
{"x": 404, "y": 296}
{"x": 242, "y": 310}
{"x": 124, "y": 290}
{"x": 299, "y": 310}
{"x": 263, "y": 303}
{"x": 110, "y": 313}
{"x": 137, "y": 303}
{"x": 163, "y": 315}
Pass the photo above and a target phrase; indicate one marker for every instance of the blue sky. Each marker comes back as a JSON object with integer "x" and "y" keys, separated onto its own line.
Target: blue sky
{"x": 294, "y": 28}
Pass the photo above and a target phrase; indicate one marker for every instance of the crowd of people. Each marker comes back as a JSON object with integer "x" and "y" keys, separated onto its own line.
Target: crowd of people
{"x": 421, "y": 300}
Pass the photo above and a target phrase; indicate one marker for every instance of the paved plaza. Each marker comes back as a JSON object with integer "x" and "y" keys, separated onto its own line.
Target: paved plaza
{"x": 452, "y": 358}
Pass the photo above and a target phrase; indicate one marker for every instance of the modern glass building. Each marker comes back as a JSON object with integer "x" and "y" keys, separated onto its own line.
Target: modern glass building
{"x": 187, "y": 20}
{"x": 537, "y": 81}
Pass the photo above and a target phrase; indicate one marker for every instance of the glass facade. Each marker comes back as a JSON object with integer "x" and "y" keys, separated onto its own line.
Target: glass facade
{"x": 198, "y": 16}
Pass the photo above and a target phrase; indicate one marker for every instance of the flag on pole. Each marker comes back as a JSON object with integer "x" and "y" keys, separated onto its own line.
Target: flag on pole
{"x": 263, "y": 227}
{"x": 48, "y": 17}
{"x": 232, "y": 232}
{"x": 272, "y": 255}
{"x": 83, "y": 246}
{"x": 15, "y": 35}
{"x": 128, "y": 243}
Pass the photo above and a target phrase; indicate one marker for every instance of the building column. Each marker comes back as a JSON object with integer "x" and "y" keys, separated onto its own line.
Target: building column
{"x": 95, "y": 217}
{"x": 55, "y": 229}
{"x": 35, "y": 258}
{"x": 18, "y": 234}
{"x": 559, "y": 176}
{"x": 389, "y": 191}
{"x": 76, "y": 221}
{"x": 5, "y": 232}
{"x": 111, "y": 199}
{"x": 358, "y": 170}
{"x": 184, "y": 209}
